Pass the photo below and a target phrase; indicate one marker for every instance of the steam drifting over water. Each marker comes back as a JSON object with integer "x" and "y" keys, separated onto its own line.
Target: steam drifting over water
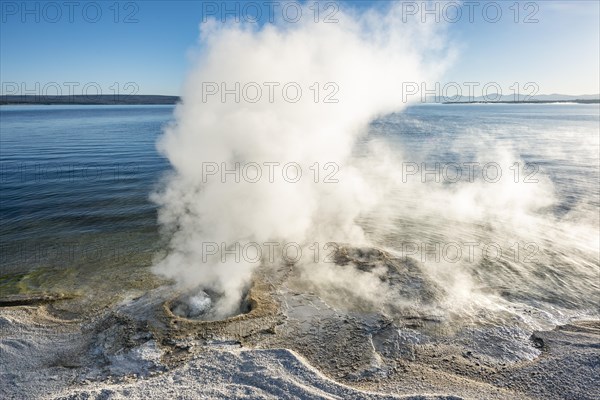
{"x": 361, "y": 62}
{"x": 367, "y": 57}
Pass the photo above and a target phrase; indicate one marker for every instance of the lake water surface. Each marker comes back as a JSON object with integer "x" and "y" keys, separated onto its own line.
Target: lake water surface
{"x": 76, "y": 215}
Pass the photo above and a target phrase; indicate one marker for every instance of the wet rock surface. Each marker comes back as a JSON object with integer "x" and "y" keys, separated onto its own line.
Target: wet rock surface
{"x": 291, "y": 343}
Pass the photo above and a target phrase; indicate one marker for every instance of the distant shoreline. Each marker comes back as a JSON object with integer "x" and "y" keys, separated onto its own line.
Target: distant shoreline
{"x": 89, "y": 100}
{"x": 578, "y": 101}
{"x": 6, "y": 100}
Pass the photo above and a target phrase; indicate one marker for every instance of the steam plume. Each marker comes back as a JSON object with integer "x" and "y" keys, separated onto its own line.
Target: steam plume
{"x": 366, "y": 56}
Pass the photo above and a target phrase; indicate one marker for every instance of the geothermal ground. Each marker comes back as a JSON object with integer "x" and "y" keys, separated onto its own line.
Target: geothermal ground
{"x": 288, "y": 342}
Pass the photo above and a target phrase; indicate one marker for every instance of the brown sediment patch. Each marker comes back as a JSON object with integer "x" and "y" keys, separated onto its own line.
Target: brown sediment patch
{"x": 260, "y": 315}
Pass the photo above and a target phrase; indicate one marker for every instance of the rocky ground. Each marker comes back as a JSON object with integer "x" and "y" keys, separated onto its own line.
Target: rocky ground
{"x": 290, "y": 344}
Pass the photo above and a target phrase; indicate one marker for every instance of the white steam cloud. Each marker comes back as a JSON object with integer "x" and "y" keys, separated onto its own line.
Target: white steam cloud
{"x": 367, "y": 57}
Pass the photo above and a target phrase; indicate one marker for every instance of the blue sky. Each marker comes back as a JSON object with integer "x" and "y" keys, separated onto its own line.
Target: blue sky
{"x": 148, "y": 43}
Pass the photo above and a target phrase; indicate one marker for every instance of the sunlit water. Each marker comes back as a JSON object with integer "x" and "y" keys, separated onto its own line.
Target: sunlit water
{"x": 519, "y": 232}
{"x": 75, "y": 210}
{"x": 75, "y": 182}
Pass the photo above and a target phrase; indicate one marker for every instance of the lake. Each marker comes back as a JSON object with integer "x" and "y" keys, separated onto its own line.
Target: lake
{"x": 76, "y": 215}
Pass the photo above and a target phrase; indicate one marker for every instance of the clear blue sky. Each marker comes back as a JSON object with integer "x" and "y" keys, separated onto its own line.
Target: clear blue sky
{"x": 560, "y": 52}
